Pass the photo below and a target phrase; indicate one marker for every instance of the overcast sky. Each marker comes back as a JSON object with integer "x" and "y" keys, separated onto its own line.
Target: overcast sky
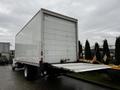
{"x": 98, "y": 19}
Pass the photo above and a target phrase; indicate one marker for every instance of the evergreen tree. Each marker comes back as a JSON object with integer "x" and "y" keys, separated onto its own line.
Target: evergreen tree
{"x": 80, "y": 49}
{"x": 97, "y": 52}
{"x": 106, "y": 51}
{"x": 117, "y": 50}
{"x": 87, "y": 50}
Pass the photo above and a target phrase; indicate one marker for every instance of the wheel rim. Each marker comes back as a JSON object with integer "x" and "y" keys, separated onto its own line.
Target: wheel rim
{"x": 25, "y": 72}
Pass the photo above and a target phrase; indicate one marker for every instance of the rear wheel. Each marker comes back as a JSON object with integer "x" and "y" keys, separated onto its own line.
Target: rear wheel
{"x": 13, "y": 68}
{"x": 26, "y": 72}
{"x": 30, "y": 72}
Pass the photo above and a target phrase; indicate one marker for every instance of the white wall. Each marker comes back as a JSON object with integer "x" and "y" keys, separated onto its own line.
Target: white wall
{"x": 28, "y": 42}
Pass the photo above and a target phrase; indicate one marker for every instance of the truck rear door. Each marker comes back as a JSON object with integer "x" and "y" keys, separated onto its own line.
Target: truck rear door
{"x": 59, "y": 39}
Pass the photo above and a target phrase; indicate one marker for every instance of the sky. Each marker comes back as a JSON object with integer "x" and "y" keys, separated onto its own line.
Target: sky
{"x": 97, "y": 19}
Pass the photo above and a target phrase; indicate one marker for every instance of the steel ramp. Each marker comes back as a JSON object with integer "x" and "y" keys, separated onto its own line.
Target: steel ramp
{"x": 81, "y": 67}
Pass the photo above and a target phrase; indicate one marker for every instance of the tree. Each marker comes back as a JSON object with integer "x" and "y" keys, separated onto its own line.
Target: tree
{"x": 106, "y": 51}
{"x": 117, "y": 50}
{"x": 80, "y": 49}
{"x": 97, "y": 52}
{"x": 87, "y": 50}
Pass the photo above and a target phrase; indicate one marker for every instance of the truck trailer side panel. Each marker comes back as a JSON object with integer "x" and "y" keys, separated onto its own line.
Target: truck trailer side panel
{"x": 28, "y": 41}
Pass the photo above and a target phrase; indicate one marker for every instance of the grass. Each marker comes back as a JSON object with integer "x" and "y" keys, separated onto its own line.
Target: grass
{"x": 97, "y": 77}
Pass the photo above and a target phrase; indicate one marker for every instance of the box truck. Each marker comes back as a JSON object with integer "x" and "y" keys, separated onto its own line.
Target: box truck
{"x": 48, "y": 38}
{"x": 48, "y": 45}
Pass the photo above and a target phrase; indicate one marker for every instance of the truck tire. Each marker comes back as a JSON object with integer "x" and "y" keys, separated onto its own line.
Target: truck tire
{"x": 13, "y": 68}
{"x": 30, "y": 72}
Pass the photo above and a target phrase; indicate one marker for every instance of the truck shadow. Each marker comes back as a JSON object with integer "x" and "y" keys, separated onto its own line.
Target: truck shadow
{"x": 39, "y": 84}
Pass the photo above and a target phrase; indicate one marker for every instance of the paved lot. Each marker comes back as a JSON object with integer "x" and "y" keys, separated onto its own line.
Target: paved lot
{"x": 10, "y": 80}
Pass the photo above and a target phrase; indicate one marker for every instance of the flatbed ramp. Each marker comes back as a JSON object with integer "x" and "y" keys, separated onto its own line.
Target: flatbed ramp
{"x": 81, "y": 67}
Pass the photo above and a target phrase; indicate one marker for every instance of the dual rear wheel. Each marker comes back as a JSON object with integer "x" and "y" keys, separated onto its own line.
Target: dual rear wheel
{"x": 34, "y": 72}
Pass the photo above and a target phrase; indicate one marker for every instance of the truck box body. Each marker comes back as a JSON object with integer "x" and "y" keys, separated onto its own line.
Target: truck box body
{"x": 49, "y": 36}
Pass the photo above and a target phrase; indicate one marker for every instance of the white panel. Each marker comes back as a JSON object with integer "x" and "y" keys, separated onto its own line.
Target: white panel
{"x": 59, "y": 39}
{"x": 28, "y": 42}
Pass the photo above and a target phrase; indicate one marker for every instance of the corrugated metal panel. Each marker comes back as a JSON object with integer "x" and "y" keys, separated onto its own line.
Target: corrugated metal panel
{"x": 4, "y": 47}
{"x": 59, "y": 39}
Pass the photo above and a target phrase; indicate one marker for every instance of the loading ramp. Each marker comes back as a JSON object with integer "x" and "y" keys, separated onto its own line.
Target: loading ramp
{"x": 81, "y": 67}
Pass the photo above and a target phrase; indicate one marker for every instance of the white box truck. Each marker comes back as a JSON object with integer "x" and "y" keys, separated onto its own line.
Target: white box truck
{"x": 48, "y": 38}
{"x": 48, "y": 45}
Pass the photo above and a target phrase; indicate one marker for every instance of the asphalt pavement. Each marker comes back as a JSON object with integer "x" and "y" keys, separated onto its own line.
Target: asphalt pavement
{"x": 14, "y": 80}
